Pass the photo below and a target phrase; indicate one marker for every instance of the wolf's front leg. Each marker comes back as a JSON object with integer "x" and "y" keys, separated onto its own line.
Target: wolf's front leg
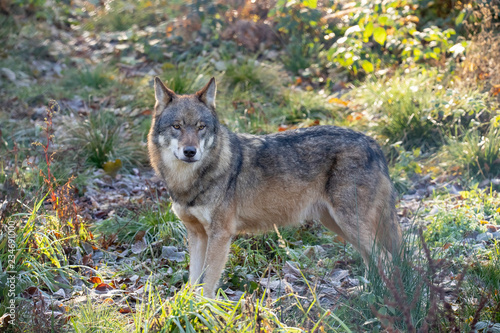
{"x": 197, "y": 239}
{"x": 215, "y": 260}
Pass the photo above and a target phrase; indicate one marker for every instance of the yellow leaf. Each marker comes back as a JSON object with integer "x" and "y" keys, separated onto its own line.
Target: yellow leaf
{"x": 338, "y": 101}
{"x": 498, "y": 210}
{"x": 167, "y": 65}
{"x": 483, "y": 222}
{"x": 112, "y": 168}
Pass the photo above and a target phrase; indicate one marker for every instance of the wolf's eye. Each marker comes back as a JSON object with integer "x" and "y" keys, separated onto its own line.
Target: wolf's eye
{"x": 176, "y": 127}
{"x": 201, "y": 127}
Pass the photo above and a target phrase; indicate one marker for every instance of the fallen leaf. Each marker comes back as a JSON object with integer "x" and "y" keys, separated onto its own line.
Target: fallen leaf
{"x": 103, "y": 287}
{"x": 139, "y": 235}
{"x": 112, "y": 168}
{"x": 125, "y": 310}
{"x": 86, "y": 260}
{"x": 338, "y": 101}
{"x": 139, "y": 246}
{"x": 95, "y": 279}
{"x": 495, "y": 90}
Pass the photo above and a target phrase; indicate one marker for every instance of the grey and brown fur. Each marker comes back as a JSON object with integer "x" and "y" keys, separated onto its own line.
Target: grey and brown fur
{"x": 222, "y": 183}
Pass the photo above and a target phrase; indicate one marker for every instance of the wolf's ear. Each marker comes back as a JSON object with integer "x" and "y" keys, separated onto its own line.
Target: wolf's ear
{"x": 163, "y": 95}
{"x": 207, "y": 93}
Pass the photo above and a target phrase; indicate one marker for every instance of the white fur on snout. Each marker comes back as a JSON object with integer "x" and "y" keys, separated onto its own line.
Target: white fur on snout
{"x": 179, "y": 151}
{"x": 183, "y": 171}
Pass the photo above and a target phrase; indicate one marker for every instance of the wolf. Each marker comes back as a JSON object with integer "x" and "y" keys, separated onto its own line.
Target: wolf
{"x": 223, "y": 183}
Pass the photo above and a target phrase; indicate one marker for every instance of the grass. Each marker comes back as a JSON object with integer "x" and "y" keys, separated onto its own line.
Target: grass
{"x": 158, "y": 222}
{"x": 475, "y": 153}
{"x": 404, "y": 109}
{"x": 90, "y": 318}
{"x": 103, "y": 137}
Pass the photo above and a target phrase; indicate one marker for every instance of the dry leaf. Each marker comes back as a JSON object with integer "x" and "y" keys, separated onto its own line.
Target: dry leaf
{"x": 95, "y": 279}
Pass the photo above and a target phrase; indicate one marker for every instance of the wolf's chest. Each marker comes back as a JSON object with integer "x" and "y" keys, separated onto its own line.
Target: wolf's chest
{"x": 198, "y": 214}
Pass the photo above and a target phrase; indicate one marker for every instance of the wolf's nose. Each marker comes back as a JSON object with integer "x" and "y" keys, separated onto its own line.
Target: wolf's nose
{"x": 189, "y": 151}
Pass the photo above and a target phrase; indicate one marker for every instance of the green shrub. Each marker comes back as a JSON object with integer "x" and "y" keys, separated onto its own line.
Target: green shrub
{"x": 104, "y": 137}
{"x": 381, "y": 35}
{"x": 477, "y": 155}
{"x": 404, "y": 108}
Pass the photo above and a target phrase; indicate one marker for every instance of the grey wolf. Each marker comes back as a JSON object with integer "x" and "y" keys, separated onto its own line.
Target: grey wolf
{"x": 222, "y": 183}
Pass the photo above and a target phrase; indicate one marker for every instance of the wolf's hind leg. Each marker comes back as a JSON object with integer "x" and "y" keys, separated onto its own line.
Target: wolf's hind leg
{"x": 353, "y": 228}
{"x": 329, "y": 222}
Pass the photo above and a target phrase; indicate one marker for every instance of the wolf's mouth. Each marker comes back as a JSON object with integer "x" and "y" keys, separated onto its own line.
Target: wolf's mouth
{"x": 186, "y": 159}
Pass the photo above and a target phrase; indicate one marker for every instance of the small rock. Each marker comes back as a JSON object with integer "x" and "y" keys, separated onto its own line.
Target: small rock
{"x": 496, "y": 235}
{"x": 422, "y": 192}
{"x": 88, "y": 248}
{"x": 431, "y": 189}
{"x": 433, "y": 211}
{"x": 491, "y": 228}
{"x": 411, "y": 197}
{"x": 340, "y": 274}
{"x": 479, "y": 246}
{"x": 57, "y": 306}
{"x": 468, "y": 241}
{"x": 10, "y": 75}
{"x": 60, "y": 293}
{"x": 314, "y": 251}
{"x": 171, "y": 253}
{"x": 484, "y": 236}
{"x": 97, "y": 255}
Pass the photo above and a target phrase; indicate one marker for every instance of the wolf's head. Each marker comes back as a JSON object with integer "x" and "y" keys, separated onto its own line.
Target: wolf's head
{"x": 184, "y": 126}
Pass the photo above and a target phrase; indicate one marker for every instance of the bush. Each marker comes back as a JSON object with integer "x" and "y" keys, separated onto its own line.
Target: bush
{"x": 104, "y": 137}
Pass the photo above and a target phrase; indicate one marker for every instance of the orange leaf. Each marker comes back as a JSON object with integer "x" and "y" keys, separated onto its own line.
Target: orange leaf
{"x": 103, "y": 287}
{"x": 446, "y": 246}
{"x": 354, "y": 116}
{"x": 108, "y": 301}
{"x": 95, "y": 279}
{"x": 125, "y": 310}
{"x": 282, "y": 128}
{"x": 495, "y": 90}
{"x": 483, "y": 75}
